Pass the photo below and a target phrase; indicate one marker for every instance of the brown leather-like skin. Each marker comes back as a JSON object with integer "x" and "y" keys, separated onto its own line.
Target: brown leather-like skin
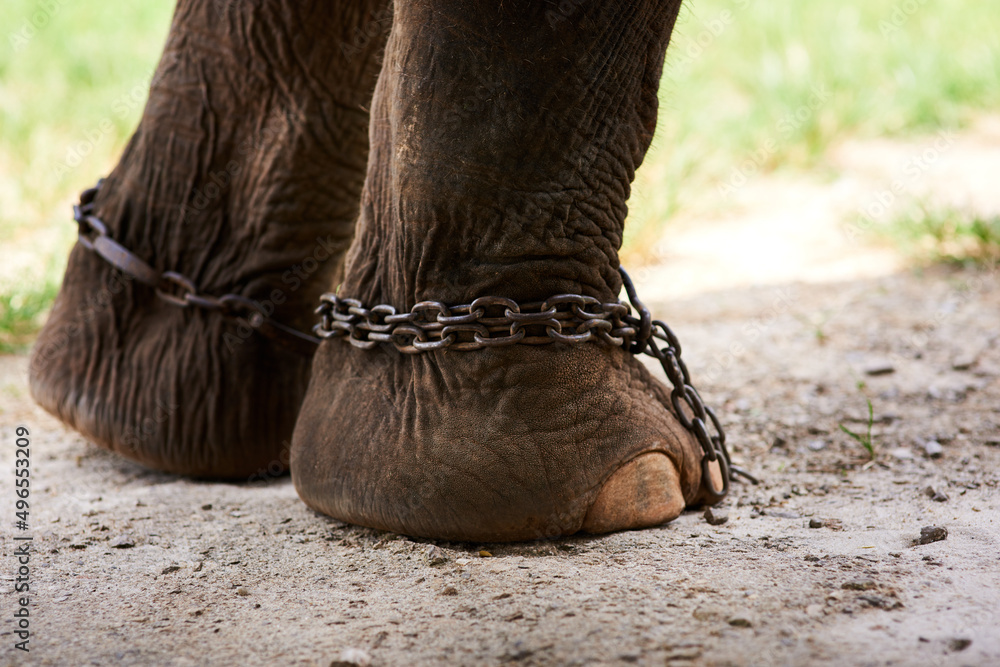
{"x": 243, "y": 175}
{"x": 504, "y": 140}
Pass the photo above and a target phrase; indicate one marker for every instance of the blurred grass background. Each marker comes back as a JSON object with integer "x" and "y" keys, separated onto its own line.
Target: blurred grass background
{"x": 73, "y": 80}
{"x": 740, "y": 72}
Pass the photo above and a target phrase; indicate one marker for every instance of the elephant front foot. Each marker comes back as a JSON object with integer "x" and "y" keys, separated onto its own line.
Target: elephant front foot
{"x": 497, "y": 170}
{"x": 503, "y": 444}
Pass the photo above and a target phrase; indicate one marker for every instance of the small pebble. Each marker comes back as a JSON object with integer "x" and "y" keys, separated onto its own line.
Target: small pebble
{"x": 170, "y": 568}
{"x": 902, "y": 453}
{"x": 964, "y": 362}
{"x": 123, "y": 542}
{"x": 352, "y": 657}
{"x": 930, "y": 534}
{"x": 879, "y": 368}
{"x": 880, "y": 602}
{"x": 242, "y": 592}
{"x": 716, "y": 516}
{"x": 817, "y": 445}
{"x": 436, "y": 556}
{"x": 740, "y": 621}
{"x": 858, "y": 585}
{"x": 816, "y": 523}
{"x": 933, "y": 449}
{"x": 449, "y": 590}
{"x": 935, "y": 495}
{"x": 483, "y": 553}
{"x": 207, "y": 506}
{"x": 959, "y": 643}
{"x": 462, "y": 562}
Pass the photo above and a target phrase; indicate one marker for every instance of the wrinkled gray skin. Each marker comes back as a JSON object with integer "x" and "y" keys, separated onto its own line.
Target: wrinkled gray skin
{"x": 504, "y": 137}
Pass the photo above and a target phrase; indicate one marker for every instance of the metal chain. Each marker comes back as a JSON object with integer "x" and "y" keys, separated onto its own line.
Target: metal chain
{"x": 488, "y": 321}
{"x": 566, "y": 318}
{"x": 698, "y": 418}
{"x": 176, "y": 289}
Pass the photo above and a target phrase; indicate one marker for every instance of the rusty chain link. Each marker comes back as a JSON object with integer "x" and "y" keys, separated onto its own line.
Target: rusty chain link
{"x": 176, "y": 289}
{"x": 488, "y": 321}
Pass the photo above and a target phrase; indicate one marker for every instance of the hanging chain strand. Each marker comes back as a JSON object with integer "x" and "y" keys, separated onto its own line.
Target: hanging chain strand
{"x": 176, "y": 289}
{"x": 488, "y": 321}
{"x": 702, "y": 420}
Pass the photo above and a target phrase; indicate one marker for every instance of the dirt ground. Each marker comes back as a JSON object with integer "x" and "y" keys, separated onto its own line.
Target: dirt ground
{"x": 816, "y": 565}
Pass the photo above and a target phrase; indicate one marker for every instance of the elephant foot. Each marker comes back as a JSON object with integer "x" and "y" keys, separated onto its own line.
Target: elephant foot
{"x": 489, "y": 445}
{"x": 497, "y": 170}
{"x": 243, "y": 177}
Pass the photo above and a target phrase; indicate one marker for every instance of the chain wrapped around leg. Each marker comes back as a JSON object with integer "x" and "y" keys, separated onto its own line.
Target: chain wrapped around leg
{"x": 175, "y": 288}
{"x": 564, "y": 318}
{"x": 488, "y": 321}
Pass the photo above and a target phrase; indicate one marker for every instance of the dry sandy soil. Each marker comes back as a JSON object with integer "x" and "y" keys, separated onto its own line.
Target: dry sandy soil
{"x": 816, "y": 565}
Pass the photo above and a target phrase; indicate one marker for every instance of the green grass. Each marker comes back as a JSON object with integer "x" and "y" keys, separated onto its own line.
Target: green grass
{"x": 73, "y": 81}
{"x": 83, "y": 65}
{"x": 945, "y": 236}
{"x": 22, "y": 309}
{"x": 728, "y": 99}
{"x": 864, "y": 439}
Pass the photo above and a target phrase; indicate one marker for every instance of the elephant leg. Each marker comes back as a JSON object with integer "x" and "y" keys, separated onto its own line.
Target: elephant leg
{"x": 243, "y": 176}
{"x": 504, "y": 137}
